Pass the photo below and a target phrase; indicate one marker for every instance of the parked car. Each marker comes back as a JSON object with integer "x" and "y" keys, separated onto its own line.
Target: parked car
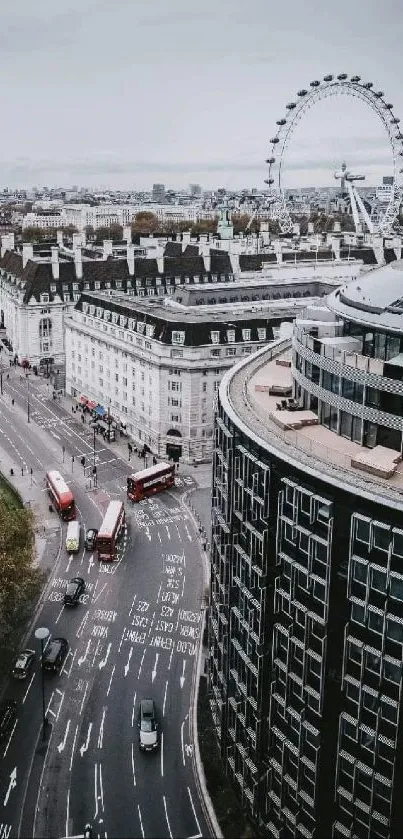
{"x": 148, "y": 726}
{"x": 74, "y": 588}
{"x": 23, "y": 664}
{"x": 8, "y": 716}
{"x": 55, "y": 654}
{"x": 91, "y": 538}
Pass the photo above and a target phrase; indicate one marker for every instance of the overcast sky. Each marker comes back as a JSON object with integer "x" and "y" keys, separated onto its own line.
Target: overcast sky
{"x": 124, "y": 93}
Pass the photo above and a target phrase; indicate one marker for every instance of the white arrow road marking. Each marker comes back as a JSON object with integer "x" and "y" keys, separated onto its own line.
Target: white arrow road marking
{"x": 69, "y": 562}
{"x": 62, "y": 745}
{"x": 182, "y": 678}
{"x": 101, "y": 728}
{"x": 188, "y": 534}
{"x": 127, "y": 666}
{"x": 167, "y": 530}
{"x": 81, "y": 628}
{"x": 12, "y": 784}
{"x": 154, "y": 672}
{"x": 85, "y": 745}
{"x": 84, "y": 657}
{"x": 90, "y": 563}
{"x": 104, "y": 660}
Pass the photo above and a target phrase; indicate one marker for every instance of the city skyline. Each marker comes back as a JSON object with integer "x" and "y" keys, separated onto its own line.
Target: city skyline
{"x": 133, "y": 97}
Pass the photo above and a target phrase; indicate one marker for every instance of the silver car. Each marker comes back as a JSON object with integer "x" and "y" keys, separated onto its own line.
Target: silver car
{"x": 148, "y": 726}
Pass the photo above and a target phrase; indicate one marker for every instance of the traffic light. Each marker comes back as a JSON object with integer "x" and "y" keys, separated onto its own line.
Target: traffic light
{"x": 82, "y": 461}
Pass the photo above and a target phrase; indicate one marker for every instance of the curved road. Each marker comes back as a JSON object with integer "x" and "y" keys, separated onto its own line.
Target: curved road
{"x": 134, "y": 635}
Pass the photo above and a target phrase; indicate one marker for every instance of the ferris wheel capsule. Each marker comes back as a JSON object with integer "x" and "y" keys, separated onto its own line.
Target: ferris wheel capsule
{"x": 355, "y": 79}
{"x": 328, "y": 78}
{"x": 270, "y": 160}
{"x": 315, "y": 83}
{"x": 389, "y": 106}
{"x": 379, "y": 94}
{"x": 302, "y": 92}
{"x": 291, "y": 106}
{"x": 281, "y": 121}
{"x": 274, "y": 140}
{"x": 368, "y": 85}
{"x": 269, "y": 181}
{"x": 342, "y": 76}
{"x": 395, "y": 121}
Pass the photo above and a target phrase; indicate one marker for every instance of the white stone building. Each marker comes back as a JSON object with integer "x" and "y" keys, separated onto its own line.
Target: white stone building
{"x": 156, "y": 364}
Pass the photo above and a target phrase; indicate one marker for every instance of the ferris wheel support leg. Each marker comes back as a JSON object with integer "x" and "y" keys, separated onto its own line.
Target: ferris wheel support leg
{"x": 364, "y": 212}
{"x": 353, "y": 204}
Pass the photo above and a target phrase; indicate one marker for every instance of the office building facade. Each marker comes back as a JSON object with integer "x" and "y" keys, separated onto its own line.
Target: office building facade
{"x": 306, "y": 611}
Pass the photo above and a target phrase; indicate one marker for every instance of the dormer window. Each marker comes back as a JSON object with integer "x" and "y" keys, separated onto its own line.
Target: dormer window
{"x": 53, "y": 289}
{"x": 231, "y": 336}
{"x": 85, "y": 308}
{"x": 215, "y": 337}
{"x": 75, "y": 287}
{"x": 141, "y": 326}
{"x": 97, "y": 285}
{"x": 44, "y": 298}
{"x": 150, "y": 328}
{"x": 114, "y": 317}
{"x": 246, "y": 333}
{"x": 261, "y": 334}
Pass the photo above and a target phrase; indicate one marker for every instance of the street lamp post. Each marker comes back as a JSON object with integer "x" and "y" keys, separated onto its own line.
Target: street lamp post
{"x": 41, "y": 634}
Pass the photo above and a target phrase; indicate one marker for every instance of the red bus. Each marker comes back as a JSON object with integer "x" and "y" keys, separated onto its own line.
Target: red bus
{"x": 110, "y": 531}
{"x": 151, "y": 480}
{"x": 61, "y": 495}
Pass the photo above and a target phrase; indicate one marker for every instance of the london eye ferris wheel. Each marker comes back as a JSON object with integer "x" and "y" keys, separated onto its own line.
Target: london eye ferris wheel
{"x": 305, "y": 99}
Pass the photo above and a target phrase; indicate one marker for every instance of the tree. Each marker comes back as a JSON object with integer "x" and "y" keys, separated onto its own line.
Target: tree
{"x": 70, "y": 229}
{"x": 145, "y": 223}
{"x": 38, "y": 234}
{"x": 240, "y": 222}
{"x": 89, "y": 231}
{"x": 114, "y": 232}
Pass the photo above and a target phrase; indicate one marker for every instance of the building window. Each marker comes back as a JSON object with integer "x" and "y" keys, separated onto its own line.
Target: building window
{"x": 178, "y": 337}
{"x": 246, "y": 333}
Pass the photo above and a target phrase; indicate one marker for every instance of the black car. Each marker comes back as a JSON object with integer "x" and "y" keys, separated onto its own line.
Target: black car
{"x": 55, "y": 654}
{"x": 8, "y": 716}
{"x": 148, "y": 726}
{"x": 74, "y": 588}
{"x": 23, "y": 664}
{"x": 91, "y": 538}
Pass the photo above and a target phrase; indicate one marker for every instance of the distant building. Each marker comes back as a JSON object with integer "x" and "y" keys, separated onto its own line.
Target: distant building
{"x": 387, "y": 180}
{"x": 195, "y": 190}
{"x": 158, "y": 193}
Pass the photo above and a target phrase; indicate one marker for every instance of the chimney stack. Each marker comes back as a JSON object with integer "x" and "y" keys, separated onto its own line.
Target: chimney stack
{"x": 59, "y": 237}
{"x": 127, "y": 234}
{"x": 7, "y": 243}
{"x": 55, "y": 263}
{"x": 234, "y": 259}
{"x": 108, "y": 248}
{"x": 160, "y": 264}
{"x": 27, "y": 253}
{"x": 185, "y": 239}
{"x": 78, "y": 261}
{"x": 76, "y": 240}
{"x": 130, "y": 259}
{"x": 207, "y": 262}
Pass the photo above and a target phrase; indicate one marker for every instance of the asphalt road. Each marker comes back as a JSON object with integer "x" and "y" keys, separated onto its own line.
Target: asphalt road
{"x": 134, "y": 635}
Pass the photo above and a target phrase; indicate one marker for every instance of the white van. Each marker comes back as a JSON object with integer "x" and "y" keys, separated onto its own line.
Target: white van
{"x": 73, "y": 537}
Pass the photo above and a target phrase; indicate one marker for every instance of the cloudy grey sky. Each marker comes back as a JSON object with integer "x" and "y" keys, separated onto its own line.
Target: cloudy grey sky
{"x": 124, "y": 93}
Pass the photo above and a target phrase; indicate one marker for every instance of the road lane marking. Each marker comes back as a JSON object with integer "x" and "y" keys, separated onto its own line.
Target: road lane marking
{"x": 140, "y": 820}
{"x": 141, "y": 662}
{"x": 11, "y": 786}
{"x": 60, "y": 614}
{"x": 134, "y": 774}
{"x": 84, "y": 698}
{"x": 154, "y": 671}
{"x": 182, "y": 677}
{"x": 194, "y": 813}
{"x": 101, "y": 728}
{"x": 127, "y": 665}
{"x": 68, "y": 812}
{"x": 165, "y": 698}
{"x": 9, "y": 740}
{"x": 110, "y": 680}
{"x": 162, "y": 754}
{"x": 166, "y": 816}
{"x": 28, "y": 688}
{"x": 73, "y": 748}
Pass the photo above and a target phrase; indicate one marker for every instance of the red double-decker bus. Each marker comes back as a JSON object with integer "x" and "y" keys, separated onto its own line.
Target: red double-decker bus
{"x": 61, "y": 495}
{"x": 110, "y": 531}
{"x": 148, "y": 481}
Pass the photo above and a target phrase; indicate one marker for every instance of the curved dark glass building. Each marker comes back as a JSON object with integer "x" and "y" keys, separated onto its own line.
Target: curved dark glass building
{"x": 306, "y": 612}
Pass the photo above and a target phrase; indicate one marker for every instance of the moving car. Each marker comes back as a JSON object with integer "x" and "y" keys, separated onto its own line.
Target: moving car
{"x": 8, "y": 716}
{"x": 148, "y": 726}
{"x": 73, "y": 537}
{"x": 74, "y": 588}
{"x": 55, "y": 654}
{"x": 23, "y": 664}
{"x": 91, "y": 538}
